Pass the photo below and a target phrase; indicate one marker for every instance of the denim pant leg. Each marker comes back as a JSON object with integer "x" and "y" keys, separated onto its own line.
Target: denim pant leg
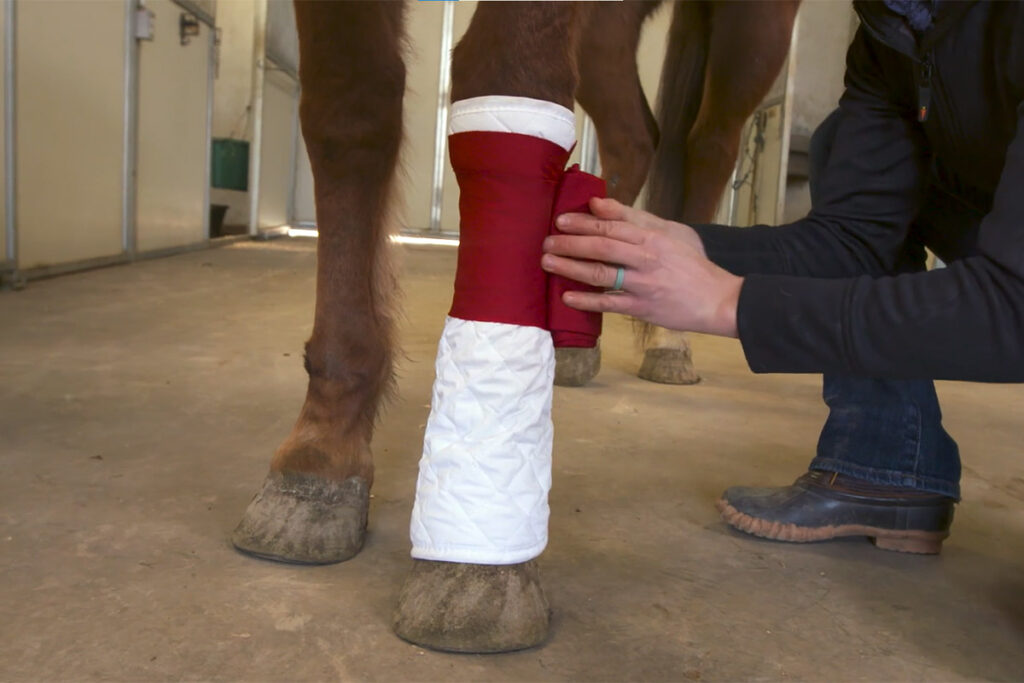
{"x": 884, "y": 431}
{"x": 888, "y": 432}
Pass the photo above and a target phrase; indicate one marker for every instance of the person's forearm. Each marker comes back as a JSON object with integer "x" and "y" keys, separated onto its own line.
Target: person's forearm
{"x": 810, "y": 247}
{"x": 963, "y": 322}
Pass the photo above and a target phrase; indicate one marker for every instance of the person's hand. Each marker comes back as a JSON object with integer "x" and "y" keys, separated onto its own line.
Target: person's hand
{"x": 668, "y": 279}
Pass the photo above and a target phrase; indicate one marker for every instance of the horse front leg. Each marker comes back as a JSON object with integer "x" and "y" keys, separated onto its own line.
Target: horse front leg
{"x": 609, "y": 91}
{"x": 313, "y": 505}
{"x": 481, "y": 511}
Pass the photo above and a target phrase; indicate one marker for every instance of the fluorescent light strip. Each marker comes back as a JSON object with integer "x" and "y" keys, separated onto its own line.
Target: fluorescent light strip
{"x": 398, "y": 239}
{"x": 435, "y": 241}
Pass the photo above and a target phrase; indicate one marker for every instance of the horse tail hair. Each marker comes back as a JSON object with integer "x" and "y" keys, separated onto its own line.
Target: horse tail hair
{"x": 679, "y": 97}
{"x": 679, "y": 100}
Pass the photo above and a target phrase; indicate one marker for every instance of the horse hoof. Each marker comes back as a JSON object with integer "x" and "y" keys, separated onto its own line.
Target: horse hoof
{"x": 668, "y": 366}
{"x": 574, "y": 367}
{"x": 475, "y": 608}
{"x": 304, "y": 519}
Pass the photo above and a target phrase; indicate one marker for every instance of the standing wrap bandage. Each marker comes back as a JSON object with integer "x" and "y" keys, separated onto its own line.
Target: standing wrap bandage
{"x": 484, "y": 478}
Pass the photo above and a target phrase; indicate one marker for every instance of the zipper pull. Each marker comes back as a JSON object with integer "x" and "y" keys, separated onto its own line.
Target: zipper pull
{"x": 924, "y": 90}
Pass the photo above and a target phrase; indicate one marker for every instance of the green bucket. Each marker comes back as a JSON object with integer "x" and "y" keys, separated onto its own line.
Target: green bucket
{"x": 230, "y": 164}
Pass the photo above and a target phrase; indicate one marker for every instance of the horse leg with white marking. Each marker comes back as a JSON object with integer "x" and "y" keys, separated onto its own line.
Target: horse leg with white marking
{"x": 721, "y": 62}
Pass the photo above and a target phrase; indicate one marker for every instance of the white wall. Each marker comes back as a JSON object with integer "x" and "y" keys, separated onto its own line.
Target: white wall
{"x": 282, "y": 37}
{"x": 279, "y": 130}
{"x": 304, "y": 203}
{"x": 420, "y": 113}
{"x": 232, "y": 91}
{"x": 825, "y": 29}
{"x": 172, "y": 142}
{"x": 70, "y": 76}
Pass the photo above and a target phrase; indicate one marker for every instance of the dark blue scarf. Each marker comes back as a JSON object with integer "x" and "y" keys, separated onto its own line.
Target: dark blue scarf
{"x": 918, "y": 13}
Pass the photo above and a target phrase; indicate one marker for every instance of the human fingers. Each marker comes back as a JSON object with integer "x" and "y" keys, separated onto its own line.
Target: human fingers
{"x": 595, "y": 248}
{"x": 587, "y": 224}
{"x": 617, "y": 302}
{"x": 593, "y": 273}
{"x": 610, "y": 209}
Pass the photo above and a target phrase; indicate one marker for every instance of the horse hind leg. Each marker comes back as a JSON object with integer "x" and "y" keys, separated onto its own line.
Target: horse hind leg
{"x": 747, "y": 44}
{"x": 313, "y": 505}
{"x": 747, "y": 47}
{"x": 609, "y": 91}
{"x": 491, "y": 603}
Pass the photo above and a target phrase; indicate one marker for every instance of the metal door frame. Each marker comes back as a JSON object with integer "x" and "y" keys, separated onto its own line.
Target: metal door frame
{"x": 9, "y": 267}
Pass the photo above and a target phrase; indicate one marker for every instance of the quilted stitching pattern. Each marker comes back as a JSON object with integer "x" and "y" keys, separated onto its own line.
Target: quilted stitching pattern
{"x": 482, "y": 492}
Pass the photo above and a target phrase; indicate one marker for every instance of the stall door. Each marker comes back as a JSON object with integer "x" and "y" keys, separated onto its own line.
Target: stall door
{"x": 280, "y": 99}
{"x": 70, "y": 119}
{"x": 173, "y": 139}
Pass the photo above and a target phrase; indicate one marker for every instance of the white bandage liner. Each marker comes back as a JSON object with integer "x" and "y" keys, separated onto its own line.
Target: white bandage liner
{"x": 500, "y": 114}
{"x": 482, "y": 492}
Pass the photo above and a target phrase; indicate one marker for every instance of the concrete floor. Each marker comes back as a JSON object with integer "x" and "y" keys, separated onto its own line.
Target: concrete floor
{"x": 141, "y": 404}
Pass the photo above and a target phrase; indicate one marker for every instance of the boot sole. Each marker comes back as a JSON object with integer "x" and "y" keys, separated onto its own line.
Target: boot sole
{"x": 898, "y": 540}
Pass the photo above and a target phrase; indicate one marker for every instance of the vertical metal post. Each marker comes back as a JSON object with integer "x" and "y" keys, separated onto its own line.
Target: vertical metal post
{"x": 787, "y": 124}
{"x": 293, "y": 173}
{"x": 211, "y": 63}
{"x": 256, "y": 144}
{"x": 444, "y": 86}
{"x": 10, "y": 137}
{"x": 590, "y": 159}
{"x": 130, "y": 137}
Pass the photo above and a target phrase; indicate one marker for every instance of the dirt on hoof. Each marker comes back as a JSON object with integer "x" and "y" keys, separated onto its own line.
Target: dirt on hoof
{"x": 472, "y": 608}
{"x": 574, "y": 367}
{"x": 303, "y": 519}
{"x": 668, "y": 366}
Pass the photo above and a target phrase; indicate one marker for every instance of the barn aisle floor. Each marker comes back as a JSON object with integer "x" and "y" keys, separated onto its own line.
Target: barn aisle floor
{"x": 141, "y": 404}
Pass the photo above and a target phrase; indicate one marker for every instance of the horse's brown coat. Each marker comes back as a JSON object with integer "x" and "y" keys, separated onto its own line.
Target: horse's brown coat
{"x": 352, "y": 73}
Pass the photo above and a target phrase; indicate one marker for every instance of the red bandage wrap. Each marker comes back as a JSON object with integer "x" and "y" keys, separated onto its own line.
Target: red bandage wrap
{"x": 511, "y": 187}
{"x": 571, "y": 327}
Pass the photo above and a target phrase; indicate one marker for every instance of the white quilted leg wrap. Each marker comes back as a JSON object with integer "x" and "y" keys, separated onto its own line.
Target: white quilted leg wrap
{"x": 482, "y": 492}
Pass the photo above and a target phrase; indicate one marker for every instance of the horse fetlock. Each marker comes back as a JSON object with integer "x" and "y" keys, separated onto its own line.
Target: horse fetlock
{"x": 473, "y": 608}
{"x": 325, "y": 451}
{"x": 305, "y": 519}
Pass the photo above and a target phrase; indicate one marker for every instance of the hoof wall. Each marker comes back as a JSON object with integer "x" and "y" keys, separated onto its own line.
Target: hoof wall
{"x": 303, "y": 519}
{"x": 668, "y": 366}
{"x": 472, "y": 608}
{"x": 574, "y": 367}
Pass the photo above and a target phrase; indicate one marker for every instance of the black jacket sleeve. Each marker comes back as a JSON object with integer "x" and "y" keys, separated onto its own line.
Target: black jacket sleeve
{"x": 801, "y": 308}
{"x": 871, "y": 188}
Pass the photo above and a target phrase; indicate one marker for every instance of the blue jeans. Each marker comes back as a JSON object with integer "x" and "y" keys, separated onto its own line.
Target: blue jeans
{"x": 883, "y": 431}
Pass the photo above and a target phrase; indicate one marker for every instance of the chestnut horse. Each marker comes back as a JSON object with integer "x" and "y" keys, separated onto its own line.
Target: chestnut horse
{"x": 722, "y": 59}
